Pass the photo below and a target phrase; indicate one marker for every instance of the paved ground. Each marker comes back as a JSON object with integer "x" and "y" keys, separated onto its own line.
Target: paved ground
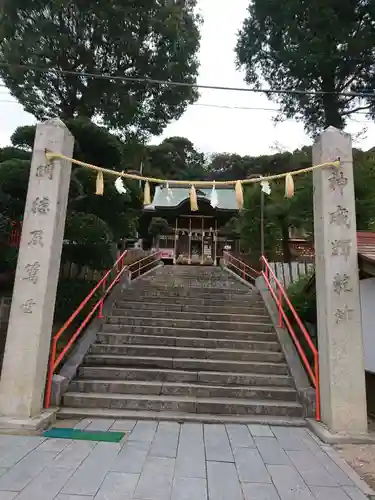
{"x": 168, "y": 461}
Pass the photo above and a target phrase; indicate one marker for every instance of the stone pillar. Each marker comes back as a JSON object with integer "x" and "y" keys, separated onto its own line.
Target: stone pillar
{"x": 27, "y": 348}
{"x": 342, "y": 374}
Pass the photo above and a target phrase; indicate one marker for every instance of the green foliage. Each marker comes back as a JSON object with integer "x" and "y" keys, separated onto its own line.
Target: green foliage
{"x": 280, "y": 213}
{"x": 250, "y": 223}
{"x": 12, "y": 153}
{"x": 143, "y": 39}
{"x": 14, "y": 178}
{"x": 93, "y": 144}
{"x": 70, "y": 294}
{"x": 364, "y": 184}
{"x": 87, "y": 229}
{"x": 320, "y": 45}
{"x": 232, "y": 228}
{"x": 157, "y": 227}
{"x": 175, "y": 158}
{"x": 4, "y": 227}
{"x": 88, "y": 241}
{"x": 8, "y": 259}
{"x": 303, "y": 301}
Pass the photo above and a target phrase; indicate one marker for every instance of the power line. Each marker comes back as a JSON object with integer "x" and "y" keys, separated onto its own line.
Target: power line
{"x": 218, "y": 106}
{"x": 208, "y": 105}
{"x": 107, "y": 76}
{"x": 245, "y": 108}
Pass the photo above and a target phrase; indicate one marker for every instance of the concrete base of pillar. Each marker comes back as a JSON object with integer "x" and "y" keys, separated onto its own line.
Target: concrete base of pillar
{"x": 325, "y": 435}
{"x": 32, "y": 426}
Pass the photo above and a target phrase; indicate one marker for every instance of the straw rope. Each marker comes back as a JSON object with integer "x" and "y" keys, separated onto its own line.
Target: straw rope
{"x": 54, "y": 156}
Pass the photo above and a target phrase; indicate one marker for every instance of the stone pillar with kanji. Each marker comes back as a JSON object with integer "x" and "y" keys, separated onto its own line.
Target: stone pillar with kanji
{"x": 341, "y": 359}
{"x": 28, "y": 340}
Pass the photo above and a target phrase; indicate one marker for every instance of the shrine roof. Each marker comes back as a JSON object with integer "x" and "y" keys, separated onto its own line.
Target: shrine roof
{"x": 180, "y": 194}
{"x": 366, "y": 244}
{"x": 365, "y": 252}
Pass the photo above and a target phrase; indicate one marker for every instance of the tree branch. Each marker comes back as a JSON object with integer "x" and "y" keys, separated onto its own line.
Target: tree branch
{"x": 359, "y": 108}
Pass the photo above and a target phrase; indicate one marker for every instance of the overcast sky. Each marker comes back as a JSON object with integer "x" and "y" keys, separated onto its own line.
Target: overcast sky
{"x": 216, "y": 129}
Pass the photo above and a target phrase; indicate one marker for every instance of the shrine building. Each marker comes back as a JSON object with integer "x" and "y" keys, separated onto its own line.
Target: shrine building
{"x": 197, "y": 238}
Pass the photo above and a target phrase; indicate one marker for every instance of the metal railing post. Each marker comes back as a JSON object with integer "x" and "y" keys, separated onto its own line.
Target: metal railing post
{"x": 280, "y": 307}
{"x": 317, "y": 387}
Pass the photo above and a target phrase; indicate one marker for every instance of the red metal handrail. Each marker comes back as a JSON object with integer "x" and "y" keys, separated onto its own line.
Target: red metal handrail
{"x": 239, "y": 265}
{"x": 279, "y": 296}
{"x": 120, "y": 267}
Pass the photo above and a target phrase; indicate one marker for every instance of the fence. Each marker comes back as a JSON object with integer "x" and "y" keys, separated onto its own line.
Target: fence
{"x": 290, "y": 272}
{"x": 286, "y": 272}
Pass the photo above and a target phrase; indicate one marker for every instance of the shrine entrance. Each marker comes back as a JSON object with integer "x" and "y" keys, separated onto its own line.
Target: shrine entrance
{"x": 195, "y": 240}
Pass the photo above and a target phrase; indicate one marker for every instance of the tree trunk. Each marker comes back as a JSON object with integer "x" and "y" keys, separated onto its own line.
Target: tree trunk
{"x": 285, "y": 241}
{"x": 332, "y": 116}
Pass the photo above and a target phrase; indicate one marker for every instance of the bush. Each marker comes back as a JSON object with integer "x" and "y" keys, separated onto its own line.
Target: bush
{"x": 70, "y": 294}
{"x": 304, "y": 302}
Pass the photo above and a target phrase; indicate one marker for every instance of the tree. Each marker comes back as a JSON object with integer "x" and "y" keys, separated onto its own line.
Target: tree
{"x": 157, "y": 227}
{"x": 364, "y": 184}
{"x": 320, "y": 45}
{"x": 88, "y": 241}
{"x": 175, "y": 158}
{"x": 152, "y": 39}
{"x": 280, "y": 213}
{"x": 14, "y": 178}
{"x": 93, "y": 144}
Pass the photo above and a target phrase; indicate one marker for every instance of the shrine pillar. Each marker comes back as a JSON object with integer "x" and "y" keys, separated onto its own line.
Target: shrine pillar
{"x": 341, "y": 360}
{"x": 28, "y": 340}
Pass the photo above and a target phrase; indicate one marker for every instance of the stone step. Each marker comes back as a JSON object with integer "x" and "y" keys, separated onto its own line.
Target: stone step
{"x": 204, "y": 293}
{"x": 186, "y": 352}
{"x": 183, "y": 404}
{"x": 123, "y": 339}
{"x": 186, "y": 363}
{"x": 171, "y": 305}
{"x": 183, "y": 389}
{"x": 250, "y": 301}
{"x": 194, "y": 282}
{"x": 170, "y": 375}
{"x": 255, "y": 324}
{"x": 173, "y": 416}
{"x": 193, "y": 316}
{"x": 267, "y": 334}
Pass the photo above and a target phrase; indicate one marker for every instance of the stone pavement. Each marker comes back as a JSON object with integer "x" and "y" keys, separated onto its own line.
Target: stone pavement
{"x": 169, "y": 461}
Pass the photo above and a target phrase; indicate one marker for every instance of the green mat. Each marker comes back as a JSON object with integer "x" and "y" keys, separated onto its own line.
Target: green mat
{"x": 66, "y": 433}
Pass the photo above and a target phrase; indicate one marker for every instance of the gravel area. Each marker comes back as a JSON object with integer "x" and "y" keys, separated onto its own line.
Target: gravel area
{"x": 361, "y": 458}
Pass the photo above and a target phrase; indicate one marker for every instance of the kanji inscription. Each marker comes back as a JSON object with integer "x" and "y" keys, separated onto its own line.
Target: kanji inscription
{"x": 341, "y": 283}
{"x": 36, "y": 238}
{"x": 32, "y": 272}
{"x": 27, "y": 307}
{"x": 340, "y": 217}
{"x": 338, "y": 181}
{"x": 45, "y": 171}
{"x": 40, "y": 205}
{"x": 343, "y": 315}
{"x": 341, "y": 248}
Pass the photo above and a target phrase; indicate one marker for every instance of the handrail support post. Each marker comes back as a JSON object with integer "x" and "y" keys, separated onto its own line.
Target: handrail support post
{"x": 280, "y": 306}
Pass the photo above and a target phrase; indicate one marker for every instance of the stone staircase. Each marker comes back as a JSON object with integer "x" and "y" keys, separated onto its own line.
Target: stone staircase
{"x": 186, "y": 343}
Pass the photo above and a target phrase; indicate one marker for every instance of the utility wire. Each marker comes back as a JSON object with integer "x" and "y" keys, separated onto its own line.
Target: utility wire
{"x": 172, "y": 83}
{"x": 207, "y": 105}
